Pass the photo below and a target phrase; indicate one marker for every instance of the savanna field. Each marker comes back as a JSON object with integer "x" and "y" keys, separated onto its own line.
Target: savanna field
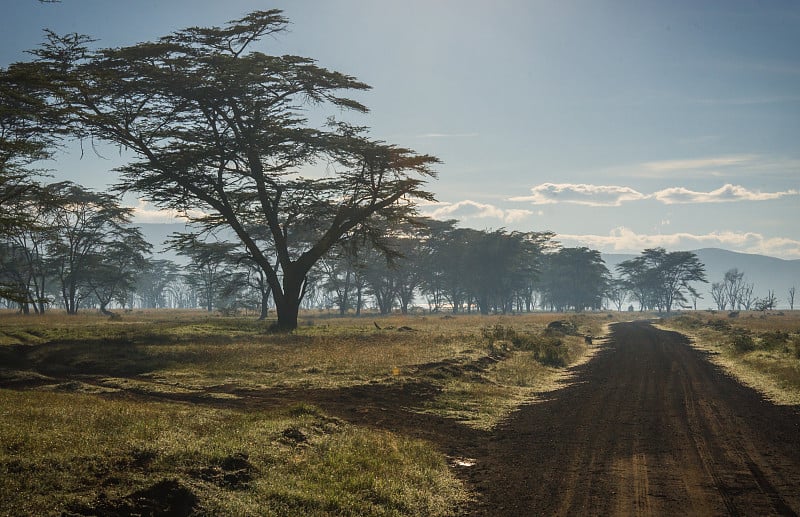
{"x": 217, "y": 416}
{"x": 214, "y": 415}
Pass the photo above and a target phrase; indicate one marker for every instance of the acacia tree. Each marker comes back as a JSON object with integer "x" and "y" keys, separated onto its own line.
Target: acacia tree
{"x": 209, "y": 267}
{"x": 26, "y": 135}
{"x": 574, "y": 278}
{"x": 617, "y": 293}
{"x": 114, "y": 270}
{"x": 154, "y": 282}
{"x": 661, "y": 279}
{"x": 87, "y": 225}
{"x": 220, "y": 127}
{"x": 25, "y": 267}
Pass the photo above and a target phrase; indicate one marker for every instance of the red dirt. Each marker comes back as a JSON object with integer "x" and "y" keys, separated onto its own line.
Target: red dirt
{"x": 650, "y": 427}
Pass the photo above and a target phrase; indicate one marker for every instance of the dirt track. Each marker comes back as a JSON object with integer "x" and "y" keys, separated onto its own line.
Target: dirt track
{"x": 649, "y": 428}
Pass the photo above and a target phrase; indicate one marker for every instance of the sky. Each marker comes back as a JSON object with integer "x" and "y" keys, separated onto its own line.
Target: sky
{"x": 618, "y": 125}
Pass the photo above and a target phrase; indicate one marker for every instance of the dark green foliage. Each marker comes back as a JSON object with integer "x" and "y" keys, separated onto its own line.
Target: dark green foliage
{"x": 573, "y": 279}
{"x": 742, "y": 340}
{"x": 661, "y": 280}
{"x": 548, "y": 350}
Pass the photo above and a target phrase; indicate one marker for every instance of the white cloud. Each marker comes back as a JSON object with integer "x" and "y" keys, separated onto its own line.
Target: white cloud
{"x": 615, "y": 195}
{"x": 580, "y": 194}
{"x": 625, "y": 240}
{"x": 724, "y": 194}
{"x": 144, "y": 212}
{"x": 472, "y": 209}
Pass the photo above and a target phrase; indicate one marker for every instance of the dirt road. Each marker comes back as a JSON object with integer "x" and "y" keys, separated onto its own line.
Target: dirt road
{"x": 649, "y": 428}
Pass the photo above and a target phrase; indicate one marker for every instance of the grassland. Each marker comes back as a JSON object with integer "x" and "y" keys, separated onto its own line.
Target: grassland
{"x": 216, "y": 416}
{"x": 761, "y": 349}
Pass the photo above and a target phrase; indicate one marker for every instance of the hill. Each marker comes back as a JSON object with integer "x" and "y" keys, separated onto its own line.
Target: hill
{"x": 765, "y": 273}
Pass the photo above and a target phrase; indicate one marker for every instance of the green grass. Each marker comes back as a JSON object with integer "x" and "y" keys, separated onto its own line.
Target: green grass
{"x": 60, "y": 451}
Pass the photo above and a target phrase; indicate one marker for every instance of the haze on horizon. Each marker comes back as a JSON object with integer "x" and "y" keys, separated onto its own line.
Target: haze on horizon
{"x": 618, "y": 126}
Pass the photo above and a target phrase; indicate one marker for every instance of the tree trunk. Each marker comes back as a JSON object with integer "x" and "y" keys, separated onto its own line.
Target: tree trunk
{"x": 264, "y": 305}
{"x": 287, "y": 311}
{"x": 287, "y": 303}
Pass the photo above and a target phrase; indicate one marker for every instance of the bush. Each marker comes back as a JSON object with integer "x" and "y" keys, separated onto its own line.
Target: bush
{"x": 796, "y": 342}
{"x": 742, "y": 341}
{"x": 687, "y": 322}
{"x": 547, "y": 350}
{"x": 720, "y": 325}
{"x": 774, "y": 340}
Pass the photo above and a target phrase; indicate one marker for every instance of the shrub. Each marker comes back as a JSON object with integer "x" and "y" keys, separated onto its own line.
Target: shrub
{"x": 687, "y": 322}
{"x": 774, "y": 340}
{"x": 796, "y": 342}
{"x": 547, "y": 350}
{"x": 720, "y": 325}
{"x": 742, "y": 341}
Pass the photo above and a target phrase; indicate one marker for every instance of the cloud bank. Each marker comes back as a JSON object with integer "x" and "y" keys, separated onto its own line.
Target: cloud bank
{"x": 701, "y": 163}
{"x": 625, "y": 240}
{"x": 615, "y": 195}
{"x": 472, "y": 209}
{"x": 580, "y": 194}
{"x": 145, "y": 213}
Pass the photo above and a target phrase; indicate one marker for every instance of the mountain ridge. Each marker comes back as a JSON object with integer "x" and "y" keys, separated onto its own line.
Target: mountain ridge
{"x": 763, "y": 271}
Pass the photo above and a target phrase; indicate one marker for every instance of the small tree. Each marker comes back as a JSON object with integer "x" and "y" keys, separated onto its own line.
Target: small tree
{"x": 791, "y": 298}
{"x": 719, "y": 296}
{"x": 114, "y": 271}
{"x": 767, "y": 303}
{"x": 209, "y": 267}
{"x": 617, "y": 293}
{"x": 86, "y": 225}
{"x": 153, "y": 283}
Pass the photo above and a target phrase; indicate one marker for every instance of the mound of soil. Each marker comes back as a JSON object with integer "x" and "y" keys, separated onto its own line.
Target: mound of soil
{"x": 167, "y": 498}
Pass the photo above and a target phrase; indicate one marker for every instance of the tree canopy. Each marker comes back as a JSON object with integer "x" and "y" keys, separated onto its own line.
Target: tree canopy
{"x": 661, "y": 280}
{"x": 220, "y": 127}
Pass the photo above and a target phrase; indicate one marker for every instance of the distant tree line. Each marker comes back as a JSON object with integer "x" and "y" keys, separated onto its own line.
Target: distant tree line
{"x": 65, "y": 246}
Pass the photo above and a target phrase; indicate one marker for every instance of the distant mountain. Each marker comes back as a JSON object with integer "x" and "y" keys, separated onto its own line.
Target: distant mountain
{"x": 765, "y": 273}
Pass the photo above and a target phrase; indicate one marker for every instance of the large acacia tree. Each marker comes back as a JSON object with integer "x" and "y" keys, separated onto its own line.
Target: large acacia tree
{"x": 219, "y": 127}
{"x": 660, "y": 279}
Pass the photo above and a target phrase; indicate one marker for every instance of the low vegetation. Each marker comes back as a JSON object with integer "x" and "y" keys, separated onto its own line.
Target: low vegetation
{"x": 217, "y": 416}
{"x": 761, "y": 349}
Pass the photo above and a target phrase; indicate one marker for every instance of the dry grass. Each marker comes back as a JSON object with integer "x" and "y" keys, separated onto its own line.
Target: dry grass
{"x": 61, "y": 451}
{"x": 762, "y": 350}
{"x": 71, "y": 439}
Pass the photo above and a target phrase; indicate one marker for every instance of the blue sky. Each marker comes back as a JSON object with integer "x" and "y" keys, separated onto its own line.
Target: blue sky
{"x": 618, "y": 125}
